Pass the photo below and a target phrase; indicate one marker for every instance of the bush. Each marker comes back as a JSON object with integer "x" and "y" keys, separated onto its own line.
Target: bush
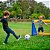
{"x": 36, "y": 15}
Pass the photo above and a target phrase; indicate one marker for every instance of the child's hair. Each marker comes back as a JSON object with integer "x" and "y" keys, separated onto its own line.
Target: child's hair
{"x": 40, "y": 17}
{"x": 5, "y": 13}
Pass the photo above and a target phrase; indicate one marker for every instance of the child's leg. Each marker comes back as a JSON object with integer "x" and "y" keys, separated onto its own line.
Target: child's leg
{"x": 6, "y": 38}
{"x": 42, "y": 31}
{"x": 14, "y": 34}
{"x": 38, "y": 31}
{"x": 11, "y": 31}
{"x": 8, "y": 34}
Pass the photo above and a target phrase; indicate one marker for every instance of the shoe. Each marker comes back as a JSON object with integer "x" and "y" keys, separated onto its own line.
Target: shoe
{"x": 19, "y": 38}
{"x": 3, "y": 43}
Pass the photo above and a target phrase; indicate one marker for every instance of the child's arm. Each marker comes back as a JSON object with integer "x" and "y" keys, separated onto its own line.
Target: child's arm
{"x": 46, "y": 24}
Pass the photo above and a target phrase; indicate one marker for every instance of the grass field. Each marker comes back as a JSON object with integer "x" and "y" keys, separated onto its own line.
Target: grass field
{"x": 22, "y": 28}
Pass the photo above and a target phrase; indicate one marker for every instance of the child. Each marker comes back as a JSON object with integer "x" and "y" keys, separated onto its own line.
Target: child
{"x": 6, "y": 27}
{"x": 40, "y": 23}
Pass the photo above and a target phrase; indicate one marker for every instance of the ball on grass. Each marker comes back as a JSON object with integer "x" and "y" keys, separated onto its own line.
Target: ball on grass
{"x": 27, "y": 37}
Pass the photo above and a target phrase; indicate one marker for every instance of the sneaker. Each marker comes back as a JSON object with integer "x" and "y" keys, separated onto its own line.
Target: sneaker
{"x": 19, "y": 38}
{"x": 3, "y": 43}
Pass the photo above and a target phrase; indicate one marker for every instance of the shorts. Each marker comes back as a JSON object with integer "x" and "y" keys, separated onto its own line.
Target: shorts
{"x": 40, "y": 29}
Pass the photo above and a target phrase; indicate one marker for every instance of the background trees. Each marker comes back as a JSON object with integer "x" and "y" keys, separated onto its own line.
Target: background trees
{"x": 25, "y": 9}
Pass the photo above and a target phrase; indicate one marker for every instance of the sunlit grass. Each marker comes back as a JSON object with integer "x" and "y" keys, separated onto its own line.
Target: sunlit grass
{"x": 22, "y": 28}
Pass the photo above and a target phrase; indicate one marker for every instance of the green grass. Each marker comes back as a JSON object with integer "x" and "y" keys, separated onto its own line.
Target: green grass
{"x": 22, "y": 28}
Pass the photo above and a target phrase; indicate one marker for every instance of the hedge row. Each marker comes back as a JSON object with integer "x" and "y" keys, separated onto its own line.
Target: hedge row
{"x": 27, "y": 20}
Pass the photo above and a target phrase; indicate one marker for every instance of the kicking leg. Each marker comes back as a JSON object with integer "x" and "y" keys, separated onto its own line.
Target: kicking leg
{"x": 11, "y": 31}
{"x": 14, "y": 34}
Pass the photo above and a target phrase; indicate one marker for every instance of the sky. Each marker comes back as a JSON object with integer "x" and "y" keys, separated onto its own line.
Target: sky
{"x": 2, "y": 0}
{"x": 46, "y": 2}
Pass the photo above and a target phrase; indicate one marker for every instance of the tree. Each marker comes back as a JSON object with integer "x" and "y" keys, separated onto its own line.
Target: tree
{"x": 36, "y": 15}
{"x": 26, "y": 8}
{"x": 1, "y": 14}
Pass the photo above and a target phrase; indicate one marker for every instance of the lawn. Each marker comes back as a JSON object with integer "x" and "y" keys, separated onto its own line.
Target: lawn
{"x": 22, "y": 28}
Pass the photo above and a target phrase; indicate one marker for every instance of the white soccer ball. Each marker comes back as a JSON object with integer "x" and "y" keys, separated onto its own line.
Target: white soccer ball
{"x": 27, "y": 37}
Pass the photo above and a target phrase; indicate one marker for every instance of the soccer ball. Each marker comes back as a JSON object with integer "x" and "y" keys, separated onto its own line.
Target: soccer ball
{"x": 27, "y": 37}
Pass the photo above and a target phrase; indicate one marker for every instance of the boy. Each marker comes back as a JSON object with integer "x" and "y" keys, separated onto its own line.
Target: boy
{"x": 6, "y": 27}
{"x": 40, "y": 23}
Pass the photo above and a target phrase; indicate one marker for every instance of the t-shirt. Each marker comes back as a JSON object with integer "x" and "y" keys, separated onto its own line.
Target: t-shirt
{"x": 4, "y": 23}
{"x": 40, "y": 23}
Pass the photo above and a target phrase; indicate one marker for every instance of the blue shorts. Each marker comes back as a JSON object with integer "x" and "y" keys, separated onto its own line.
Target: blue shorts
{"x": 40, "y": 29}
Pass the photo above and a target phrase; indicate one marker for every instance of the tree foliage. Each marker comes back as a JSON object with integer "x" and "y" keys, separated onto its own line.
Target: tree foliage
{"x": 26, "y": 9}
